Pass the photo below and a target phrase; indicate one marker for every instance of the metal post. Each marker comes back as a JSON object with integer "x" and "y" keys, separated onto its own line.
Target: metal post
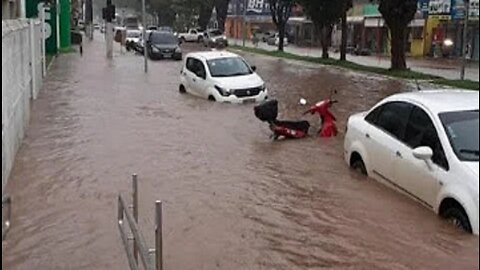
{"x": 109, "y": 31}
{"x": 158, "y": 236}
{"x": 145, "y": 50}
{"x": 465, "y": 42}
{"x": 32, "y": 58}
{"x": 135, "y": 211}
{"x": 120, "y": 211}
{"x": 44, "y": 58}
{"x": 244, "y": 22}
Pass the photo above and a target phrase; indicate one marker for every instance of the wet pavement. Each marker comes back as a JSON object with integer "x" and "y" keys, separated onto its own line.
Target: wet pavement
{"x": 233, "y": 199}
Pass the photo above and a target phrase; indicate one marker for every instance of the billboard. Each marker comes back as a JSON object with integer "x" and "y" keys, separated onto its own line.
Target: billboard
{"x": 254, "y": 7}
{"x": 450, "y": 9}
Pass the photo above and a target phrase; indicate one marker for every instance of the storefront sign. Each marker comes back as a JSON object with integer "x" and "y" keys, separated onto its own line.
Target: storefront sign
{"x": 33, "y": 10}
{"x": 440, "y": 9}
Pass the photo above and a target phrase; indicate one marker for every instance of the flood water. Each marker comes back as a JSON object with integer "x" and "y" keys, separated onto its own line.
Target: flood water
{"x": 233, "y": 199}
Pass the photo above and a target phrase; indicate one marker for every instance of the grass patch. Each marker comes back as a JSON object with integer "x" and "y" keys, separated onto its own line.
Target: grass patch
{"x": 466, "y": 84}
{"x": 404, "y": 74}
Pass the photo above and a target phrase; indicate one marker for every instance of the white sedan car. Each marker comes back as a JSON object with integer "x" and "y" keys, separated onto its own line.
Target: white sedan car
{"x": 426, "y": 145}
{"x": 221, "y": 76}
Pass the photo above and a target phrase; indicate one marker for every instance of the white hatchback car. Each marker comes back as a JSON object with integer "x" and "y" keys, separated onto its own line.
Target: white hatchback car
{"x": 221, "y": 76}
{"x": 425, "y": 144}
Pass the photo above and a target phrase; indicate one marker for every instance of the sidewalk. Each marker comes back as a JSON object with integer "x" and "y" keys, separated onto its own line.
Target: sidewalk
{"x": 446, "y": 68}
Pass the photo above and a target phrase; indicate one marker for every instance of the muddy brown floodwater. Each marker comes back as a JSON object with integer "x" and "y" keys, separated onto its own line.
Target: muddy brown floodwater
{"x": 233, "y": 199}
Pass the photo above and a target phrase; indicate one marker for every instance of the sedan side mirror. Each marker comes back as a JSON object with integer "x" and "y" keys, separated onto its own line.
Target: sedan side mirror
{"x": 423, "y": 153}
{"x": 254, "y": 68}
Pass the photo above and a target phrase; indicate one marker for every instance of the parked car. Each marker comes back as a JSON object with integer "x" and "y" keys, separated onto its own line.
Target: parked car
{"x": 426, "y": 145}
{"x": 274, "y": 40}
{"x": 133, "y": 37}
{"x": 263, "y": 36}
{"x": 214, "y": 38}
{"x": 193, "y": 35}
{"x": 81, "y": 25}
{"x": 162, "y": 45}
{"x": 221, "y": 76}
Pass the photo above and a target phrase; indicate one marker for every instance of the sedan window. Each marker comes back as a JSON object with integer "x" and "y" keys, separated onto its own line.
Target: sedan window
{"x": 373, "y": 115}
{"x": 394, "y": 118}
{"x": 463, "y": 133}
{"x": 228, "y": 67}
{"x": 421, "y": 131}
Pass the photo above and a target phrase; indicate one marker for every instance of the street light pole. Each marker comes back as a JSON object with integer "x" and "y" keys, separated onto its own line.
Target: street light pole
{"x": 109, "y": 12}
{"x": 145, "y": 50}
{"x": 244, "y": 22}
{"x": 465, "y": 40}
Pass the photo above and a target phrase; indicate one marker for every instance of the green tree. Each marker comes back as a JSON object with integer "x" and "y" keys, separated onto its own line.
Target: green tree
{"x": 348, "y": 4}
{"x": 221, "y": 6}
{"x": 324, "y": 15}
{"x": 397, "y": 15}
{"x": 281, "y": 11}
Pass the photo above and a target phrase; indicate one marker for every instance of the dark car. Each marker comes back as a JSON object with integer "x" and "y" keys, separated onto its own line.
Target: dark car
{"x": 163, "y": 45}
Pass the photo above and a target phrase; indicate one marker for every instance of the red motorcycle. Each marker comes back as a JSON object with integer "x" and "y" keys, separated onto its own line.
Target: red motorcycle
{"x": 268, "y": 112}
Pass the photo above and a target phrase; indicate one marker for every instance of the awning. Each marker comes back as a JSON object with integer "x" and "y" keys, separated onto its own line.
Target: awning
{"x": 379, "y": 22}
{"x": 299, "y": 20}
{"x": 355, "y": 19}
{"x": 374, "y": 22}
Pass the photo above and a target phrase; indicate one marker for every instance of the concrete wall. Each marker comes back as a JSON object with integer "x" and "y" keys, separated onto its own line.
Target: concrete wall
{"x": 22, "y": 77}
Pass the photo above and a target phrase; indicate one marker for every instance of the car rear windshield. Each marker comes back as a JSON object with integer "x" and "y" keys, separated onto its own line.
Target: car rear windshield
{"x": 228, "y": 67}
{"x": 463, "y": 132}
{"x": 133, "y": 34}
{"x": 163, "y": 38}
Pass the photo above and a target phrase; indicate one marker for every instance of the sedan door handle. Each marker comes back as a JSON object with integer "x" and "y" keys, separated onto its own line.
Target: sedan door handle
{"x": 399, "y": 155}
{"x": 367, "y": 135}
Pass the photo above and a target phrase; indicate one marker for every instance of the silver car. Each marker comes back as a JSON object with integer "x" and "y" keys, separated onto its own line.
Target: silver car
{"x": 213, "y": 38}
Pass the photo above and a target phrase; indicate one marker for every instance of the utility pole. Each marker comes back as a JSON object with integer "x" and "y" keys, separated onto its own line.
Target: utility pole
{"x": 108, "y": 15}
{"x": 89, "y": 18}
{"x": 465, "y": 40}
{"x": 244, "y": 22}
{"x": 145, "y": 43}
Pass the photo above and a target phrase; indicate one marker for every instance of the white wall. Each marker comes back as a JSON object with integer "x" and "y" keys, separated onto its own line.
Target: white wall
{"x": 21, "y": 81}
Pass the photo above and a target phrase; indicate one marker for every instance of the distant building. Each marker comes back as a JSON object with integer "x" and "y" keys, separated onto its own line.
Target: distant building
{"x": 13, "y": 9}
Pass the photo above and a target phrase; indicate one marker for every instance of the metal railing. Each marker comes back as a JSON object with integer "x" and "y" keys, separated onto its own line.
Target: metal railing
{"x": 138, "y": 245}
{"x": 6, "y": 203}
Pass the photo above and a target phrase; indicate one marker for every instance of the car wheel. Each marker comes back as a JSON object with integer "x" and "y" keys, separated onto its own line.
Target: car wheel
{"x": 183, "y": 40}
{"x": 200, "y": 39}
{"x": 212, "y": 98}
{"x": 182, "y": 89}
{"x": 359, "y": 166}
{"x": 457, "y": 216}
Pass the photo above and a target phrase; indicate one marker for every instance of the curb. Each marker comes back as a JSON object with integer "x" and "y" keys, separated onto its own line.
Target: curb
{"x": 51, "y": 62}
